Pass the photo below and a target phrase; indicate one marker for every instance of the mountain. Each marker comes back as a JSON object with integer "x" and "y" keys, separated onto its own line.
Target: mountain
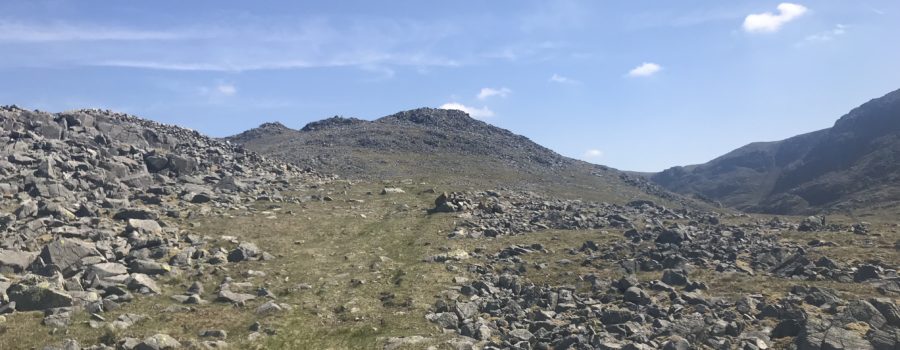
{"x": 852, "y": 165}
{"x": 443, "y": 147}
{"x": 123, "y": 233}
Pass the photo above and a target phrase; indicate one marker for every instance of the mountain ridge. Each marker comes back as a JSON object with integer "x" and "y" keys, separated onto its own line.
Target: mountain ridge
{"x": 841, "y": 168}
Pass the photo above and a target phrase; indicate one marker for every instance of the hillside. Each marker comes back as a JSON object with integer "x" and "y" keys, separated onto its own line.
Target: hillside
{"x": 123, "y": 233}
{"x": 850, "y": 166}
{"x": 442, "y": 147}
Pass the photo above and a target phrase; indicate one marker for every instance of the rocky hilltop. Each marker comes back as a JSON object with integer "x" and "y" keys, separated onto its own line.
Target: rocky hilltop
{"x": 445, "y": 147}
{"x": 425, "y": 131}
{"x": 91, "y": 202}
{"x": 849, "y": 166}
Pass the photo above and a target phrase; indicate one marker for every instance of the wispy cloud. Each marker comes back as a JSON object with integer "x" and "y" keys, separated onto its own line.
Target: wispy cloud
{"x": 592, "y": 154}
{"x": 828, "y": 35}
{"x": 217, "y": 93}
{"x": 556, "y": 78}
{"x": 661, "y": 16}
{"x": 373, "y": 45}
{"x": 487, "y": 92}
{"x": 555, "y": 15}
{"x": 645, "y": 70}
{"x": 474, "y": 112}
{"x": 48, "y": 32}
{"x": 768, "y": 22}
{"x": 877, "y": 11}
{"x": 226, "y": 89}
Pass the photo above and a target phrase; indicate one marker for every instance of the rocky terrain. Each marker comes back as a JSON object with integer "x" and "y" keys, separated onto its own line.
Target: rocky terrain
{"x": 847, "y": 168}
{"x": 503, "y": 309}
{"x": 444, "y": 147}
{"x": 123, "y": 233}
{"x": 329, "y": 144}
{"x": 89, "y": 198}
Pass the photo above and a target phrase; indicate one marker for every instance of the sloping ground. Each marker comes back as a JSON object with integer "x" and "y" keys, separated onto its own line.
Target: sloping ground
{"x": 279, "y": 259}
{"x": 851, "y": 166}
{"x": 443, "y": 147}
{"x": 91, "y": 199}
{"x": 368, "y": 271}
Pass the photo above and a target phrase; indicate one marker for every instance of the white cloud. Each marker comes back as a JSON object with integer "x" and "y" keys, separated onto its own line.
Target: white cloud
{"x": 768, "y": 22}
{"x": 219, "y": 92}
{"x": 247, "y": 45}
{"x": 489, "y": 92}
{"x": 49, "y": 32}
{"x": 226, "y": 89}
{"x": 556, "y": 78}
{"x": 473, "y": 112}
{"x": 593, "y": 154}
{"x": 828, "y": 35}
{"x": 645, "y": 70}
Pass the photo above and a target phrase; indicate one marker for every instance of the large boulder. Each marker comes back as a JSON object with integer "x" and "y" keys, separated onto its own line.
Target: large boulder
{"x": 888, "y": 309}
{"x": 136, "y": 213}
{"x": 67, "y": 255}
{"x": 143, "y": 284}
{"x": 158, "y": 342}
{"x": 822, "y": 335}
{"x": 144, "y": 226}
{"x": 672, "y": 236}
{"x": 37, "y": 297}
{"x": 181, "y": 165}
{"x": 244, "y": 251}
{"x": 15, "y": 261}
{"x": 104, "y": 270}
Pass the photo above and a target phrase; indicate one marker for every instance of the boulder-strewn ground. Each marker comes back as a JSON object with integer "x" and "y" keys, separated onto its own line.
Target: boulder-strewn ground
{"x": 144, "y": 236}
{"x": 90, "y": 198}
{"x": 655, "y": 285}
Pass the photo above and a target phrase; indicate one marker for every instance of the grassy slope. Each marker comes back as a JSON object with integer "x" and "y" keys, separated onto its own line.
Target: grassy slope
{"x": 328, "y": 244}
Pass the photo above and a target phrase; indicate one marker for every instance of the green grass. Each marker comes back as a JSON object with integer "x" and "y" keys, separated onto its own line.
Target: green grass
{"x": 381, "y": 241}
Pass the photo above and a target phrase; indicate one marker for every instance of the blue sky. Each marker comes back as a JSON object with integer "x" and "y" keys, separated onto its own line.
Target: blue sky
{"x": 637, "y": 85}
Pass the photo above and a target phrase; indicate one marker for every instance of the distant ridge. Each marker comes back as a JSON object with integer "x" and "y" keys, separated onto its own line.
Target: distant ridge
{"x": 854, "y": 164}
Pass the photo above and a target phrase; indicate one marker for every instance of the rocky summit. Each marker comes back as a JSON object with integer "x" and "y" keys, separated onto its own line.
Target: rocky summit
{"x": 442, "y": 147}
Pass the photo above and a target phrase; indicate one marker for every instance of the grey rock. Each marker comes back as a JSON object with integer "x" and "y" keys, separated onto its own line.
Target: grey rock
{"x": 675, "y": 277}
{"x": 672, "y": 236}
{"x": 158, "y": 342}
{"x": 676, "y": 343}
{"x": 104, "y": 270}
{"x": 637, "y": 296}
{"x": 144, "y": 226}
{"x": 268, "y": 308}
{"x": 143, "y": 283}
{"x": 67, "y": 254}
{"x": 234, "y": 298}
{"x": 446, "y": 320}
{"x": 888, "y": 309}
{"x": 521, "y": 334}
{"x": 867, "y": 272}
{"x": 244, "y": 251}
{"x": 823, "y": 335}
{"x": 214, "y": 333}
{"x": 37, "y": 297}
{"x": 15, "y": 261}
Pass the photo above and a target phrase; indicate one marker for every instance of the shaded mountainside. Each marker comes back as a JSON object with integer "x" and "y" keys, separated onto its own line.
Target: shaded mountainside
{"x": 443, "y": 147}
{"x": 854, "y": 164}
